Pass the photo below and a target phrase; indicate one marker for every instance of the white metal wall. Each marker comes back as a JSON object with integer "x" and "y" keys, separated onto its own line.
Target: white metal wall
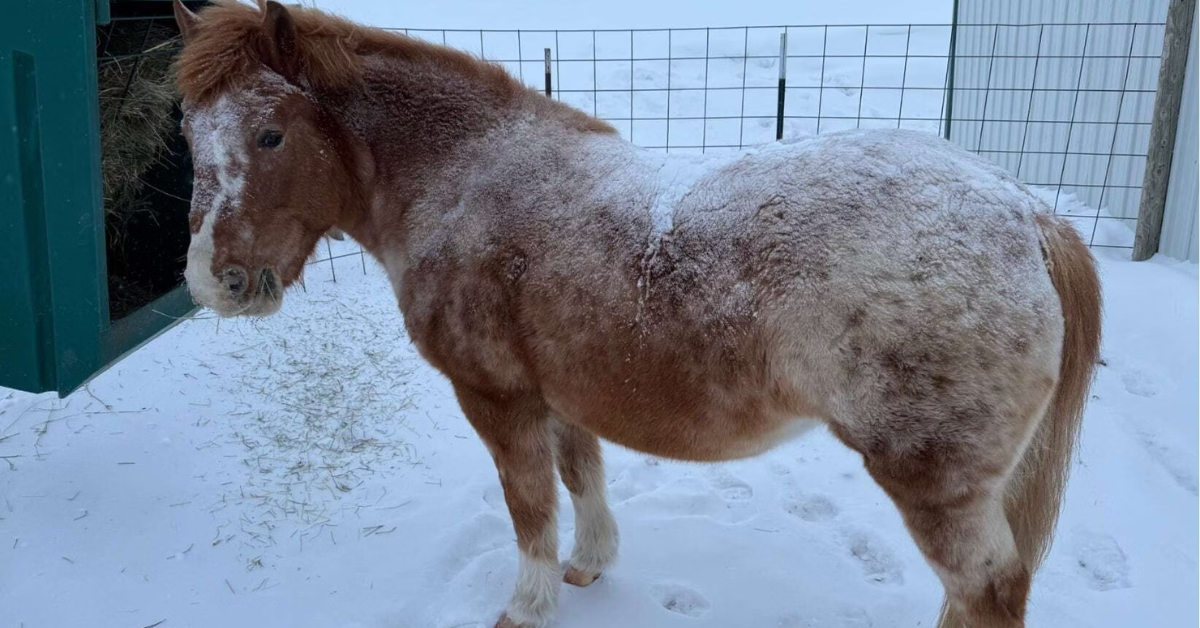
{"x": 1061, "y": 92}
{"x": 1179, "y": 232}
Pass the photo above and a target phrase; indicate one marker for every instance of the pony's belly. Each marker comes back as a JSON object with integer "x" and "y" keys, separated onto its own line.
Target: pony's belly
{"x": 789, "y": 430}
{"x": 703, "y": 437}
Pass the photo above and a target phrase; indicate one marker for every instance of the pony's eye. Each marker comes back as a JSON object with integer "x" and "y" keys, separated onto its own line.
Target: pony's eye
{"x": 270, "y": 139}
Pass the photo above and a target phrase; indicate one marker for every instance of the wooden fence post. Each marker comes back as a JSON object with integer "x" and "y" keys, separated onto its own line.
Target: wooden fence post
{"x": 1163, "y": 129}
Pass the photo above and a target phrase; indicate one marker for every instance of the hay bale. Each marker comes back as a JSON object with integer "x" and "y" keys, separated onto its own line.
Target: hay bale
{"x": 137, "y": 96}
{"x": 138, "y": 130}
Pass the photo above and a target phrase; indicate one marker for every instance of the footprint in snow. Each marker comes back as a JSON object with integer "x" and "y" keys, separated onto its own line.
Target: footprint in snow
{"x": 663, "y": 491}
{"x": 493, "y": 496}
{"x": 680, "y": 599}
{"x": 1138, "y": 382}
{"x": 729, "y": 486}
{"x": 813, "y": 508}
{"x": 779, "y": 470}
{"x": 694, "y": 497}
{"x": 879, "y": 564}
{"x": 636, "y": 479}
{"x": 1101, "y": 562}
{"x": 1179, "y": 465}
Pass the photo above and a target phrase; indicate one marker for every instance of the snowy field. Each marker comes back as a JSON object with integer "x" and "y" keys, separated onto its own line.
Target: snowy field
{"x": 309, "y": 470}
{"x": 618, "y": 14}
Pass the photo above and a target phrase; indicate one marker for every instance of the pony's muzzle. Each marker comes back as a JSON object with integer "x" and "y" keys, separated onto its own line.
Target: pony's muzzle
{"x": 269, "y": 283}
{"x": 236, "y": 281}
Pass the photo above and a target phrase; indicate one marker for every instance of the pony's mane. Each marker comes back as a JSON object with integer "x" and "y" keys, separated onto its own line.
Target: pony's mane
{"x": 230, "y": 44}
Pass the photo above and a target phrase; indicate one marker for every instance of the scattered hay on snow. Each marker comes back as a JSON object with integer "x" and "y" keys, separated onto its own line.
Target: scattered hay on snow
{"x": 322, "y": 413}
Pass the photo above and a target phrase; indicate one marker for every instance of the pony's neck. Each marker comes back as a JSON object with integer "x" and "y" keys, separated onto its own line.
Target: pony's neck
{"x": 408, "y": 118}
{"x": 411, "y": 114}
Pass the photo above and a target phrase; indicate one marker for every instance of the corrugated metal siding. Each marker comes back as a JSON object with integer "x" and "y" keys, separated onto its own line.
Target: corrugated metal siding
{"x": 1179, "y": 234}
{"x": 1060, "y": 11}
{"x": 1062, "y": 92}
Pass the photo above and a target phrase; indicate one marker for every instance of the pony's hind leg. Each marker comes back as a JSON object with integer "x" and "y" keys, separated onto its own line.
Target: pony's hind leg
{"x": 953, "y": 504}
{"x": 582, "y": 469}
{"x": 971, "y": 548}
{"x": 519, "y": 435}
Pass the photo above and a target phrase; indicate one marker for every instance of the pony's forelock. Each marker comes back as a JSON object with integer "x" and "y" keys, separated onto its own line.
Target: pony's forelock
{"x": 230, "y": 44}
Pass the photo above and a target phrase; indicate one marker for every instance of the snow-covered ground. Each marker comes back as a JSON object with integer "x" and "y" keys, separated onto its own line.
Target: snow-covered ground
{"x": 309, "y": 470}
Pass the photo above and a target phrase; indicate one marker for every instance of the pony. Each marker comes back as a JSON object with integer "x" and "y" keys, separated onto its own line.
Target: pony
{"x": 916, "y": 299}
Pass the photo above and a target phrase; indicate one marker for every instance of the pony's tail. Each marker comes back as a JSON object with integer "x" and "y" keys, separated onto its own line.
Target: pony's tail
{"x": 1035, "y": 490}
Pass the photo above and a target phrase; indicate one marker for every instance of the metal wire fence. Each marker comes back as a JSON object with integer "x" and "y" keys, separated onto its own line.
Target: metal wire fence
{"x": 1064, "y": 106}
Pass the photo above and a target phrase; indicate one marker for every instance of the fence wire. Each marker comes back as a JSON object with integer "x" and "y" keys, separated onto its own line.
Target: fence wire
{"x": 1066, "y": 107}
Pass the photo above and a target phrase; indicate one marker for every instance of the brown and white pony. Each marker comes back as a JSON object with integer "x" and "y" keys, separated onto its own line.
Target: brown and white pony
{"x": 917, "y": 300}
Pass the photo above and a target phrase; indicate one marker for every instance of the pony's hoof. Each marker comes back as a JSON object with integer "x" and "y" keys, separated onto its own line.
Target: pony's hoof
{"x": 579, "y": 578}
{"x": 505, "y": 622}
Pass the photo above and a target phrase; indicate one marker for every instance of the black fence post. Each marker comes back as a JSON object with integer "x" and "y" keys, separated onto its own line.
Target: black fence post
{"x": 782, "y": 84}
{"x": 549, "y": 86}
{"x": 953, "y": 52}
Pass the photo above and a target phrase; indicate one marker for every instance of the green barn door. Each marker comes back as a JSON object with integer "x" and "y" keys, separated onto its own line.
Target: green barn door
{"x": 56, "y": 326}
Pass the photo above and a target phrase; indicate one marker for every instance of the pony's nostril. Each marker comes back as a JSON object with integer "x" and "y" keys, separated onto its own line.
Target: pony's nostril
{"x": 236, "y": 280}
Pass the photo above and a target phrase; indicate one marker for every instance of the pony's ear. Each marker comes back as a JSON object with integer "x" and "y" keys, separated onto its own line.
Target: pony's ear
{"x": 280, "y": 30}
{"x": 185, "y": 19}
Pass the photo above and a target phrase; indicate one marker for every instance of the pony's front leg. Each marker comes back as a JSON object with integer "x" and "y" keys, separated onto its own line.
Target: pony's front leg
{"x": 518, "y": 432}
{"x": 582, "y": 469}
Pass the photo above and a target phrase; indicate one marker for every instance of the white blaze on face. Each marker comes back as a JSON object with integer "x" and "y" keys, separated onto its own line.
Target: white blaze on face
{"x": 219, "y": 147}
{"x": 205, "y": 288}
{"x": 218, "y": 143}
{"x": 222, "y": 135}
